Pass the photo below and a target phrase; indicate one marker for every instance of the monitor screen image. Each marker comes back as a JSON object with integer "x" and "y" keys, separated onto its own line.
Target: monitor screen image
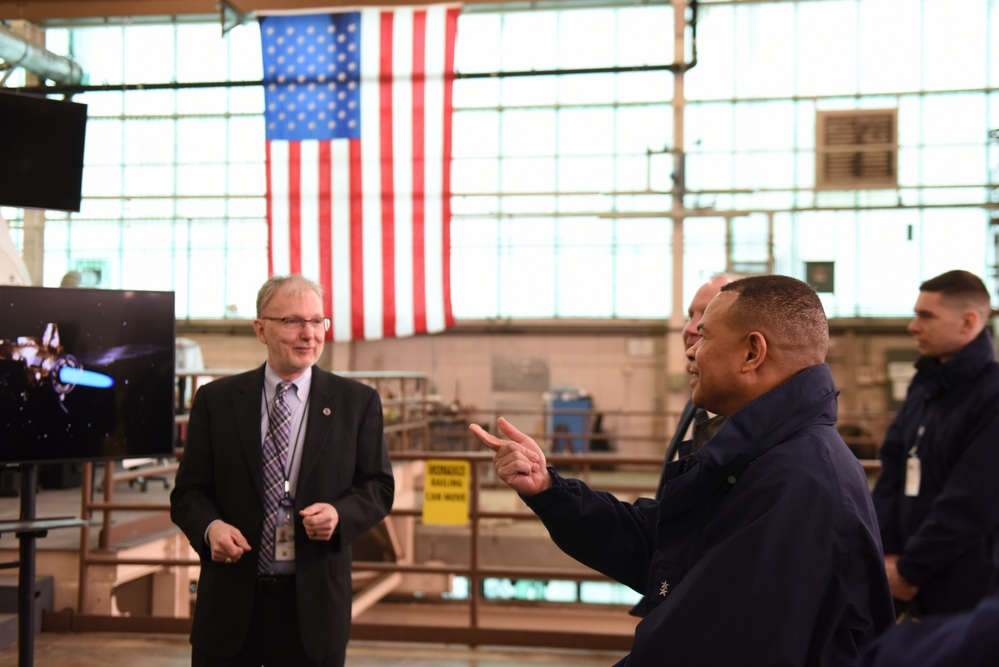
{"x": 85, "y": 374}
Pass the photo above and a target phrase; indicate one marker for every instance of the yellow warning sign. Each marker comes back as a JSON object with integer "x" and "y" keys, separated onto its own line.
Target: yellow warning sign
{"x": 445, "y": 492}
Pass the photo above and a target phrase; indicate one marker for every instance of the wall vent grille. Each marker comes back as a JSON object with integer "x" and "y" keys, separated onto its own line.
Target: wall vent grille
{"x": 856, "y": 149}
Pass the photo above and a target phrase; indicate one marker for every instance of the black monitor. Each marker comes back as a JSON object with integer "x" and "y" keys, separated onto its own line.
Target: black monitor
{"x": 85, "y": 374}
{"x": 41, "y": 163}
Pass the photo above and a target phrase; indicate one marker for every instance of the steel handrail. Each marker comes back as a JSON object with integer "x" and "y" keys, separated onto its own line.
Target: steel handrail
{"x": 411, "y": 437}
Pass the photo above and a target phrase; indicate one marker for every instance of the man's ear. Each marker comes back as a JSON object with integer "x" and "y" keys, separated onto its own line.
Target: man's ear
{"x": 971, "y": 322}
{"x": 258, "y": 328}
{"x": 755, "y": 347}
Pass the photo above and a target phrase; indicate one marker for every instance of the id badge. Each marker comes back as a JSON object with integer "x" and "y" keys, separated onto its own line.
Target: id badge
{"x": 913, "y": 471}
{"x": 284, "y": 532}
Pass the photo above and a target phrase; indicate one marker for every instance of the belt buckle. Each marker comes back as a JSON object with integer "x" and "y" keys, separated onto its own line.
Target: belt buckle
{"x": 274, "y": 583}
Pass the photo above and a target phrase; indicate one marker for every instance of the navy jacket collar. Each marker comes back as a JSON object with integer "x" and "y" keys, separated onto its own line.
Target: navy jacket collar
{"x": 960, "y": 369}
{"x": 805, "y": 399}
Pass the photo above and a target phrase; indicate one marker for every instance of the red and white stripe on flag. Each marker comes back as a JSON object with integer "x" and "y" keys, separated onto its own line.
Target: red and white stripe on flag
{"x": 365, "y": 209}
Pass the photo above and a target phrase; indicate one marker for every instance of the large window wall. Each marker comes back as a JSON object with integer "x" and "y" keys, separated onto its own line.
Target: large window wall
{"x": 561, "y": 182}
{"x": 542, "y": 164}
{"x": 751, "y": 137}
{"x": 173, "y": 182}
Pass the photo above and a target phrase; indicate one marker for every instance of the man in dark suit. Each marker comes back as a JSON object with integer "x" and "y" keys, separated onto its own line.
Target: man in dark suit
{"x": 284, "y": 467}
{"x": 680, "y": 444}
{"x": 691, "y": 414}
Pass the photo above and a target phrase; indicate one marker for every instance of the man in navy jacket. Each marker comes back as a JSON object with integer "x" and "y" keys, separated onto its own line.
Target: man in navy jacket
{"x": 763, "y": 548}
{"x": 967, "y": 640}
{"x": 938, "y": 492}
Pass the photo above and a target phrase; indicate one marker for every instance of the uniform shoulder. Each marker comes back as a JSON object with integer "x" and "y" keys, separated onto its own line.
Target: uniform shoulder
{"x": 816, "y": 455}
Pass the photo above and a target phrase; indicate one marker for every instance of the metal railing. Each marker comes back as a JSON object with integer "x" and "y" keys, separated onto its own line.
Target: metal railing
{"x": 414, "y": 439}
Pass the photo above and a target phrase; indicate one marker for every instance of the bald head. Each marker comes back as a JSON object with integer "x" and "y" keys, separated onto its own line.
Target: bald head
{"x": 702, "y": 297}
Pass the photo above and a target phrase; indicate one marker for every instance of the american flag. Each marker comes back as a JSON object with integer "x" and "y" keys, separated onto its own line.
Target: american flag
{"x": 358, "y": 114}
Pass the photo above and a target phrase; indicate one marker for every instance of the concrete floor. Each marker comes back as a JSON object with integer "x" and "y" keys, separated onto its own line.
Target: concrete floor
{"x": 131, "y": 650}
{"x": 52, "y": 649}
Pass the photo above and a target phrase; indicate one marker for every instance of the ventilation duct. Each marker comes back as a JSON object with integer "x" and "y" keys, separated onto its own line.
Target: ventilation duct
{"x": 19, "y": 52}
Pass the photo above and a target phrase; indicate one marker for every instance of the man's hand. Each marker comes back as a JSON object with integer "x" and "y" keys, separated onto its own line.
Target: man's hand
{"x": 901, "y": 589}
{"x": 519, "y": 461}
{"x": 320, "y": 520}
{"x": 228, "y": 544}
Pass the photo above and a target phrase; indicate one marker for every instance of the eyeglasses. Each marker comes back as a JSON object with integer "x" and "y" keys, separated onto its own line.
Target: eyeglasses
{"x": 298, "y": 323}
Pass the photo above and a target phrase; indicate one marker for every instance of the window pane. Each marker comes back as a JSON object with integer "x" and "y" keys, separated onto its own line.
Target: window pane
{"x": 528, "y": 132}
{"x": 209, "y": 61}
{"x": 528, "y": 175}
{"x": 888, "y": 69}
{"x": 529, "y": 91}
{"x": 534, "y": 28}
{"x": 637, "y": 129}
{"x": 586, "y": 88}
{"x": 201, "y": 140}
{"x": 476, "y": 134}
{"x": 586, "y": 38}
{"x": 643, "y": 268}
{"x": 942, "y": 28}
{"x": 640, "y": 34}
{"x": 826, "y": 28}
{"x": 478, "y": 43}
{"x": 150, "y": 141}
{"x": 765, "y": 67}
{"x": 148, "y": 264}
{"x": 586, "y": 131}
{"x": 585, "y": 174}
{"x": 526, "y": 268}
{"x": 99, "y": 52}
{"x": 149, "y": 54}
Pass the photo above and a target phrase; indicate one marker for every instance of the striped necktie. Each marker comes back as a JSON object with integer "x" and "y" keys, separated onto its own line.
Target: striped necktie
{"x": 275, "y": 450}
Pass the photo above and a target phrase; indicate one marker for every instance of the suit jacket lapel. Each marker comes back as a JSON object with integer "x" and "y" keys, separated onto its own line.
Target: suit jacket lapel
{"x": 320, "y": 421}
{"x": 246, "y": 405}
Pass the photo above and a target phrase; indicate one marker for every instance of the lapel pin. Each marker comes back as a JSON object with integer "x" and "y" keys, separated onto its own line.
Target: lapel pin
{"x": 326, "y": 411}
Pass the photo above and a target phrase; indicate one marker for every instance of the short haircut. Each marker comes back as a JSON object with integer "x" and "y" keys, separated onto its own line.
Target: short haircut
{"x": 961, "y": 289}
{"x": 295, "y": 283}
{"x": 786, "y": 311}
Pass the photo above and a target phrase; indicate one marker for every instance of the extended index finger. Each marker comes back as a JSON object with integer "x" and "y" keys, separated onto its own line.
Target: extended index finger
{"x": 487, "y": 439}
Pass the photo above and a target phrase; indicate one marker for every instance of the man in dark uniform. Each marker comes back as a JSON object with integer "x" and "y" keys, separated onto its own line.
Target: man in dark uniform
{"x": 938, "y": 491}
{"x": 947, "y": 640}
{"x": 763, "y": 548}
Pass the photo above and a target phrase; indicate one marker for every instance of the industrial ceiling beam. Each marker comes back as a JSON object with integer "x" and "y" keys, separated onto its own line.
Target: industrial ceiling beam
{"x": 43, "y": 10}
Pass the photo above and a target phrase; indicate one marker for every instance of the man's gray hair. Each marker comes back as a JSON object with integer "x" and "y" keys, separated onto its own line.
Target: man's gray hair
{"x": 296, "y": 283}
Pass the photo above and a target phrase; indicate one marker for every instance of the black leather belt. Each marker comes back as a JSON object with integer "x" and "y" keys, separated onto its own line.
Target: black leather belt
{"x": 275, "y": 583}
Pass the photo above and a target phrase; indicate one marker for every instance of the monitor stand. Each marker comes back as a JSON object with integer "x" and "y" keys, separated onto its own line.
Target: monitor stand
{"x": 27, "y": 530}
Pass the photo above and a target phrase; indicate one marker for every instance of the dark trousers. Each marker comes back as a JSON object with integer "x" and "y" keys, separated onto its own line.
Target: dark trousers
{"x": 274, "y": 639}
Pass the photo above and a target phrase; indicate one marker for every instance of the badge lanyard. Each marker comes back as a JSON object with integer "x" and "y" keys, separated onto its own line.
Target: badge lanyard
{"x": 913, "y": 466}
{"x": 287, "y": 502}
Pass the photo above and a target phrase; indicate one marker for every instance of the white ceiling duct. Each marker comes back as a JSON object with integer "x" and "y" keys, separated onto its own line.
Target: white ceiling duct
{"x": 19, "y": 52}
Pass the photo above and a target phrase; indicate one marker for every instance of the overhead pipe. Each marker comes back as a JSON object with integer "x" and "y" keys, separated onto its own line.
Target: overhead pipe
{"x": 677, "y": 67}
{"x": 19, "y": 52}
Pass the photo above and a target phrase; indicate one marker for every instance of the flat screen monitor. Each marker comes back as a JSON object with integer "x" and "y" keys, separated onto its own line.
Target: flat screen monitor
{"x": 41, "y": 164}
{"x": 85, "y": 374}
